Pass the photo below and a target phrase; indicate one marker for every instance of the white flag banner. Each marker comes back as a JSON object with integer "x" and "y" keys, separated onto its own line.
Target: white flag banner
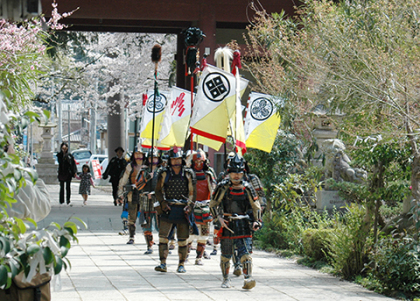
{"x": 214, "y": 103}
{"x": 147, "y": 116}
{"x": 176, "y": 118}
{"x": 262, "y": 121}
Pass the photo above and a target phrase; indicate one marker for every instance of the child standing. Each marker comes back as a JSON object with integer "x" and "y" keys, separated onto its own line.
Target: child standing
{"x": 86, "y": 181}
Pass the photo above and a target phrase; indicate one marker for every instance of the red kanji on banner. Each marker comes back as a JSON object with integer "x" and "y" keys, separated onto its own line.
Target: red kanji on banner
{"x": 178, "y": 105}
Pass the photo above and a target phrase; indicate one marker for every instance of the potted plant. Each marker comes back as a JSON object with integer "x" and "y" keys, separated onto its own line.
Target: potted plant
{"x": 24, "y": 252}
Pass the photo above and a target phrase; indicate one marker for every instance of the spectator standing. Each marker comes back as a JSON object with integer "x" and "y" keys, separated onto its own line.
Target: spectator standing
{"x": 115, "y": 170}
{"x": 66, "y": 171}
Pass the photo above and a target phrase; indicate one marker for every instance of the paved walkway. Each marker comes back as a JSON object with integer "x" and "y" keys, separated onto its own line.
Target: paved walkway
{"x": 105, "y": 268}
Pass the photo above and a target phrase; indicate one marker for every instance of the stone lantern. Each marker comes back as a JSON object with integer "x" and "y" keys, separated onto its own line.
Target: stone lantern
{"x": 324, "y": 128}
{"x": 46, "y": 168}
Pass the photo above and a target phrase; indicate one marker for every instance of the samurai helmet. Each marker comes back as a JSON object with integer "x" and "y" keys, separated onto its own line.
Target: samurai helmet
{"x": 198, "y": 155}
{"x": 174, "y": 154}
{"x": 236, "y": 164}
{"x": 230, "y": 156}
{"x": 155, "y": 153}
{"x": 137, "y": 150}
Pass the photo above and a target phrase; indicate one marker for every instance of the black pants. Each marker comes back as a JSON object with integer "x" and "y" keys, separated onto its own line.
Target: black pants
{"x": 68, "y": 191}
{"x": 114, "y": 183}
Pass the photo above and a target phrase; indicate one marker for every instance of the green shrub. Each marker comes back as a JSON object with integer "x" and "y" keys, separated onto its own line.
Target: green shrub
{"x": 348, "y": 243}
{"x": 315, "y": 243}
{"x": 397, "y": 265}
{"x": 272, "y": 235}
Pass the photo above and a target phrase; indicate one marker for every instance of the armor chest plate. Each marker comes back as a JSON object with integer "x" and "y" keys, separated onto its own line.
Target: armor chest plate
{"x": 203, "y": 191}
{"x": 176, "y": 187}
{"x": 133, "y": 175}
{"x": 236, "y": 201}
{"x": 151, "y": 184}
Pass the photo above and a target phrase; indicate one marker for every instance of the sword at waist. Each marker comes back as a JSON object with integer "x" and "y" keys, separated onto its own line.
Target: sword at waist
{"x": 129, "y": 187}
{"x": 201, "y": 203}
{"x": 237, "y": 216}
{"x": 177, "y": 202}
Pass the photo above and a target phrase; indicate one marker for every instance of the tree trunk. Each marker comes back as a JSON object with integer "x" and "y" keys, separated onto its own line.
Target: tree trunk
{"x": 415, "y": 190}
{"x": 415, "y": 178}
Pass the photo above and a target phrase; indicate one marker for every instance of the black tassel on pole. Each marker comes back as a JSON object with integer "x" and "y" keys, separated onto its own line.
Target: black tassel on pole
{"x": 156, "y": 56}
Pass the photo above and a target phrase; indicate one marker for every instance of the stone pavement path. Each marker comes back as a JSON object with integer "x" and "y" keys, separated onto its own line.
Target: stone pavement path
{"x": 105, "y": 268}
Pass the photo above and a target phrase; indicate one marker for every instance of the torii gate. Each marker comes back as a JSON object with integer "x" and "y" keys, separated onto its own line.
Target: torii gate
{"x": 221, "y": 21}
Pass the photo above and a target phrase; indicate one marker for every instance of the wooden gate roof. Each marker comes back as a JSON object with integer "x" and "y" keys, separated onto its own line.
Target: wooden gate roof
{"x": 161, "y": 15}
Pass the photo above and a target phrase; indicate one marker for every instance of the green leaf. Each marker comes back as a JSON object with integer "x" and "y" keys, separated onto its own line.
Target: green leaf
{"x": 4, "y": 244}
{"x": 64, "y": 251}
{"x": 3, "y": 275}
{"x": 68, "y": 262}
{"x": 56, "y": 225}
{"x": 70, "y": 230}
{"x": 71, "y": 225}
{"x": 21, "y": 225}
{"x": 58, "y": 265}
{"x": 32, "y": 249}
{"x": 48, "y": 255}
{"x": 47, "y": 114}
{"x": 64, "y": 242}
{"x": 81, "y": 221}
{"x": 31, "y": 114}
{"x": 14, "y": 267}
{"x": 32, "y": 222}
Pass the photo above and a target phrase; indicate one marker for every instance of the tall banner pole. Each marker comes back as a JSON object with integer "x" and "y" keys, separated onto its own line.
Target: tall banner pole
{"x": 156, "y": 57}
{"x": 193, "y": 37}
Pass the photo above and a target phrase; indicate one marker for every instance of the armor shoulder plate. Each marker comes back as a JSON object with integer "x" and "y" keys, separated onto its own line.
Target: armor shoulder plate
{"x": 209, "y": 173}
{"x": 162, "y": 171}
{"x": 221, "y": 186}
{"x": 191, "y": 172}
{"x": 250, "y": 188}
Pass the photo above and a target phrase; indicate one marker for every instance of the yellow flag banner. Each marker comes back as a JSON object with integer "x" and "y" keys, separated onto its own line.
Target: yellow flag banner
{"x": 214, "y": 144}
{"x": 147, "y": 143}
{"x": 214, "y": 102}
{"x": 176, "y": 118}
{"x": 147, "y": 116}
{"x": 262, "y": 121}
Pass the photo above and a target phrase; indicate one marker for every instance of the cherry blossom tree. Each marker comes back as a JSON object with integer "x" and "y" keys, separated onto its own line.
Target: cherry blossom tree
{"x": 109, "y": 64}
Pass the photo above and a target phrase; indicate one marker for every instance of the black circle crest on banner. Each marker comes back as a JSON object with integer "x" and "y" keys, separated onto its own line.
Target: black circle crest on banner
{"x": 216, "y": 86}
{"x": 261, "y": 108}
{"x": 160, "y": 103}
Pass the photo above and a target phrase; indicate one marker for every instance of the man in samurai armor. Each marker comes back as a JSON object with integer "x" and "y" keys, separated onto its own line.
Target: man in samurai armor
{"x": 175, "y": 192}
{"x": 222, "y": 175}
{"x": 114, "y": 169}
{"x": 205, "y": 186}
{"x": 235, "y": 203}
{"x": 148, "y": 216}
{"x": 132, "y": 184}
{"x": 255, "y": 182}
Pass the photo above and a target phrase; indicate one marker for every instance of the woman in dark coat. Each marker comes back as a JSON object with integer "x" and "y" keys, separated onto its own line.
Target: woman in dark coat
{"x": 66, "y": 171}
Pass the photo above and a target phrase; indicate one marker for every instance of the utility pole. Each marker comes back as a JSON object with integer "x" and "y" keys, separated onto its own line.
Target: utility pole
{"x": 68, "y": 116}
{"x": 93, "y": 129}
